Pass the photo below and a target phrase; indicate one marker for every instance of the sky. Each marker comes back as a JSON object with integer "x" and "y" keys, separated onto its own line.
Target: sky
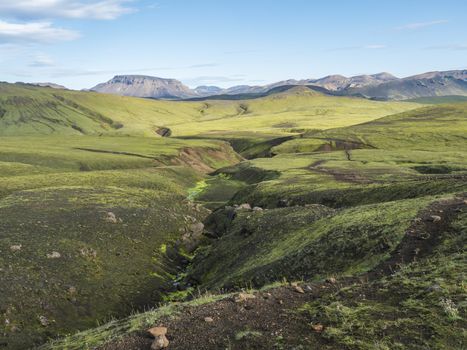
{"x": 80, "y": 43}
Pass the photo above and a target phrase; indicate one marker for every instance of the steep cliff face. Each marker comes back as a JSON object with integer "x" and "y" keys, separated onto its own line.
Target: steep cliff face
{"x": 145, "y": 86}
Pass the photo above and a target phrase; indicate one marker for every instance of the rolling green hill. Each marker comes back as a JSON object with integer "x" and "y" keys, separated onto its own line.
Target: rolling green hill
{"x": 100, "y": 216}
{"x": 32, "y": 110}
{"x": 84, "y": 222}
{"x": 409, "y": 155}
{"x": 370, "y": 218}
{"x": 440, "y": 99}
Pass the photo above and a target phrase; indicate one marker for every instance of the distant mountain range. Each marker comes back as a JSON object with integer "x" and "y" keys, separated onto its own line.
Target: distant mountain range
{"x": 50, "y": 85}
{"x": 382, "y": 86}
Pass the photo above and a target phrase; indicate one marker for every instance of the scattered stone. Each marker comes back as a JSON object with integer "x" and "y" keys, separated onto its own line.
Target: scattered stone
{"x": 318, "y": 327}
{"x": 434, "y": 288}
{"x": 16, "y": 247}
{"x": 299, "y": 289}
{"x": 267, "y": 295}
{"x": 308, "y": 288}
{"x": 331, "y": 280}
{"x": 197, "y": 228}
{"x": 44, "y": 321}
{"x": 244, "y": 206}
{"x": 88, "y": 253}
{"x": 240, "y": 297}
{"x": 157, "y": 331}
{"x": 435, "y": 218}
{"x": 257, "y": 209}
{"x": 54, "y": 255}
{"x": 280, "y": 301}
{"x": 208, "y": 319}
{"x": 417, "y": 220}
{"x": 248, "y": 307}
{"x": 111, "y": 217}
{"x": 160, "y": 340}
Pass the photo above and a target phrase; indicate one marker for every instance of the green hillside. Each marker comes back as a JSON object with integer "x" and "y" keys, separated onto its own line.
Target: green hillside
{"x": 32, "y": 110}
{"x": 100, "y": 217}
{"x": 439, "y": 99}
{"x": 83, "y": 224}
{"x": 370, "y": 220}
{"x": 410, "y": 155}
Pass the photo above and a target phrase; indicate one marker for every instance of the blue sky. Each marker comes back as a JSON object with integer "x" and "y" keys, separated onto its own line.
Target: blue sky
{"x": 79, "y": 43}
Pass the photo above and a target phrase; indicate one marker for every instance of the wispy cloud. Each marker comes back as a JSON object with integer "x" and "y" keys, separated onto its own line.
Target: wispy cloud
{"x": 87, "y": 9}
{"x": 451, "y": 47}
{"x": 59, "y": 72}
{"x": 11, "y": 51}
{"x": 363, "y": 47}
{"x": 206, "y": 80}
{"x": 418, "y": 25}
{"x": 203, "y": 65}
{"x": 34, "y": 32}
{"x": 42, "y": 60}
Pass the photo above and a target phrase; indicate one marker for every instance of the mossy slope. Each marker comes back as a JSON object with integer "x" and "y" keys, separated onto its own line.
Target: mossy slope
{"x": 31, "y": 110}
{"x": 83, "y": 223}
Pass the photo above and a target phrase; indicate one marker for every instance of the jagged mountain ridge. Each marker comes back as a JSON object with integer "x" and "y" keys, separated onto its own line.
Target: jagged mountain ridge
{"x": 377, "y": 86}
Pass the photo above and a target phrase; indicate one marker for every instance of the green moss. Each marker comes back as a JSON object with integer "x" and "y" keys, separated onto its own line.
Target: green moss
{"x": 196, "y": 191}
{"x": 304, "y": 242}
{"x": 247, "y": 334}
{"x": 91, "y": 240}
{"x": 421, "y": 306}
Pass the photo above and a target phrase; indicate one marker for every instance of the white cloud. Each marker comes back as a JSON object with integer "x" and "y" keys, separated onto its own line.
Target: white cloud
{"x": 34, "y": 32}
{"x": 419, "y": 25}
{"x": 42, "y": 60}
{"x": 86, "y": 9}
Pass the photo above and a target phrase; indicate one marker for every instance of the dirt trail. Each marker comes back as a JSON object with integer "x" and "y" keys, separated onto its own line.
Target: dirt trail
{"x": 425, "y": 233}
{"x": 348, "y": 176}
{"x": 238, "y": 325}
